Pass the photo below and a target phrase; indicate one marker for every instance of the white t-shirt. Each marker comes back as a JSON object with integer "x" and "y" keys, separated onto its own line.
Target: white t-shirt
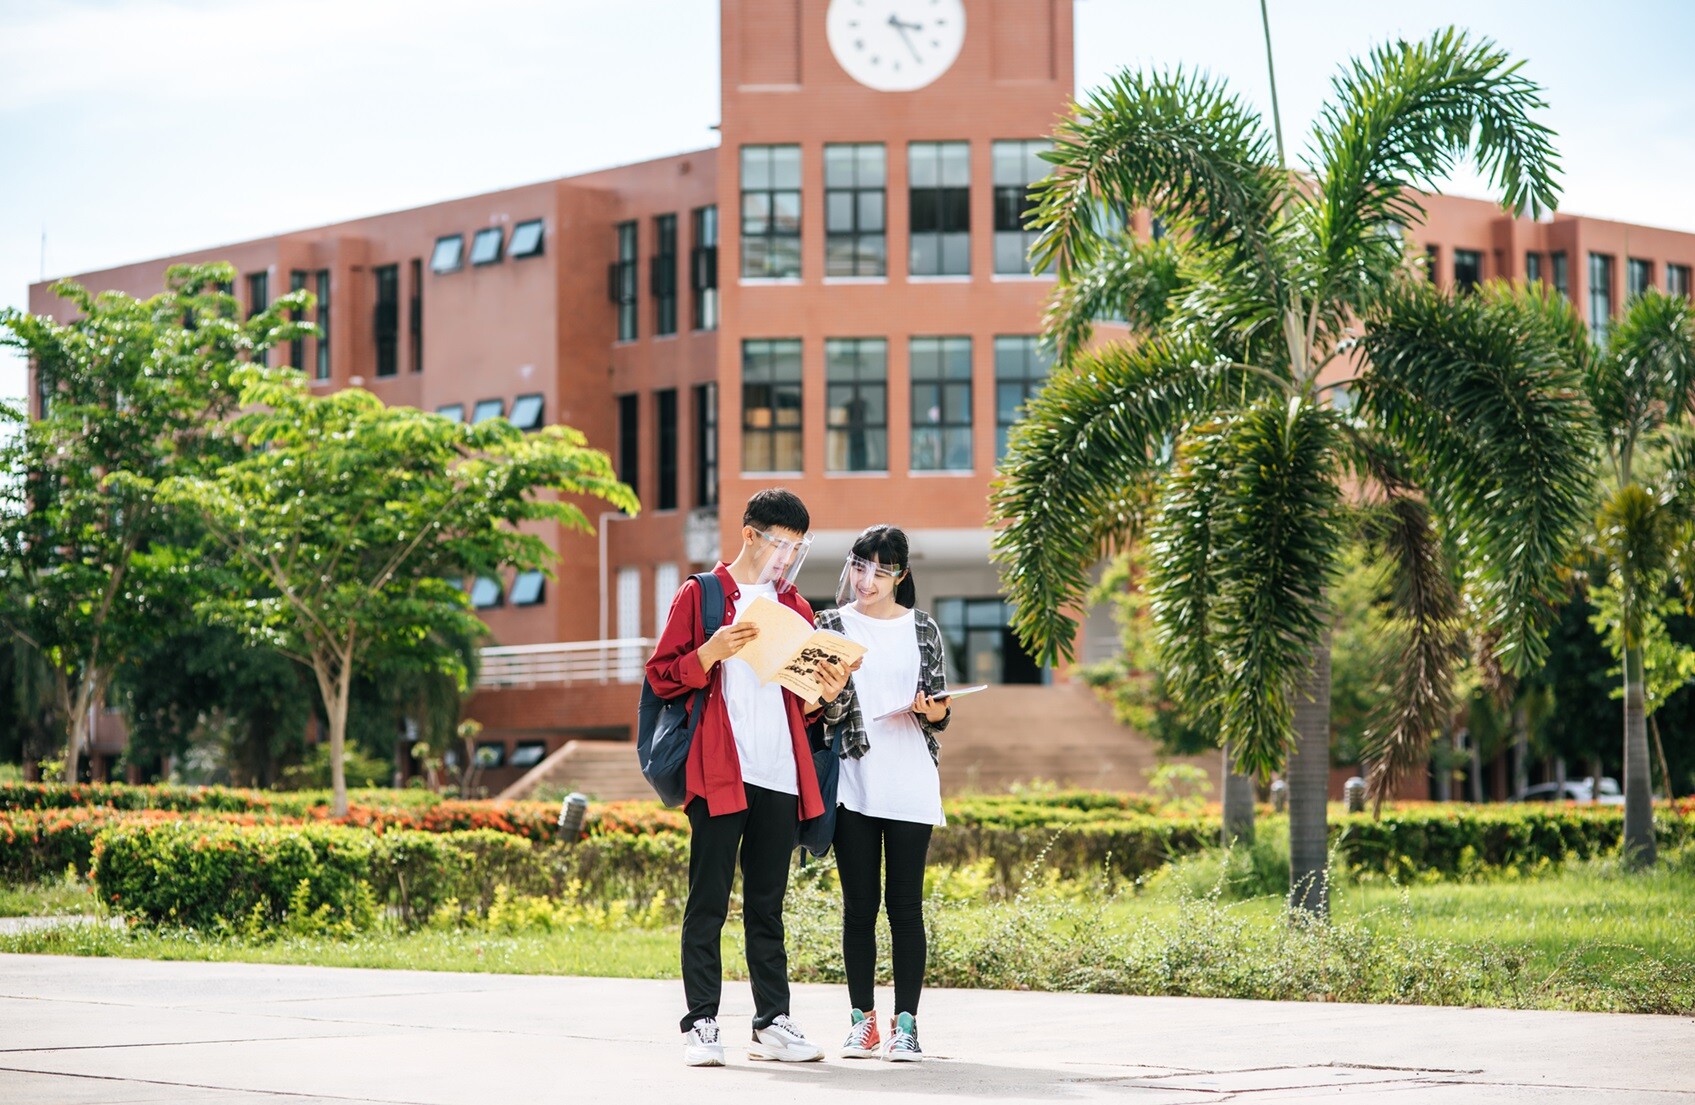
{"x": 757, "y": 715}
{"x": 896, "y": 778}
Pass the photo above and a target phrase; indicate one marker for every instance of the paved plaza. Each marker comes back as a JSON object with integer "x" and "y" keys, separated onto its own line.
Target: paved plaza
{"x": 83, "y": 1031}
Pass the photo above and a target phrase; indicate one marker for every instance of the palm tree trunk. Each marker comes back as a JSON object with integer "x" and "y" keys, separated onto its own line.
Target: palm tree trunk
{"x": 1238, "y": 804}
{"x": 1521, "y": 751}
{"x": 1638, "y": 796}
{"x": 1309, "y": 785}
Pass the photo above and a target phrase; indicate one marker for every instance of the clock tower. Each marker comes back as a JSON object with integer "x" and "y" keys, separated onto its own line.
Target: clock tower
{"x": 871, "y": 260}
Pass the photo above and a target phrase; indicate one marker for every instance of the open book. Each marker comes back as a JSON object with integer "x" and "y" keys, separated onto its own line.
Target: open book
{"x": 788, "y": 648}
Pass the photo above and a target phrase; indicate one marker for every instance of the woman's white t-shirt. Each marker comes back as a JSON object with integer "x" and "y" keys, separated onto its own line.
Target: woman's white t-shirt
{"x": 758, "y": 718}
{"x": 896, "y": 778}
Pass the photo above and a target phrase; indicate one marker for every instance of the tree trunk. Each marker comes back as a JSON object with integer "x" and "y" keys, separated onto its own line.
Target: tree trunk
{"x": 1445, "y": 773}
{"x": 334, "y": 689}
{"x": 1638, "y": 796}
{"x": 1521, "y": 751}
{"x": 1660, "y": 754}
{"x": 1475, "y": 783}
{"x": 1238, "y": 804}
{"x": 1309, "y": 785}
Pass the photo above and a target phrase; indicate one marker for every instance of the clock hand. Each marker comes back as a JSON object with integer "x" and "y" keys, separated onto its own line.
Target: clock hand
{"x": 903, "y": 27}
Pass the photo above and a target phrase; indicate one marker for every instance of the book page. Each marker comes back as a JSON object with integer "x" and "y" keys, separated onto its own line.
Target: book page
{"x": 788, "y": 647}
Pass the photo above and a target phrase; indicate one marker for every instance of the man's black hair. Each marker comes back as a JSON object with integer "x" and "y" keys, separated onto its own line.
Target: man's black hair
{"x": 777, "y": 506}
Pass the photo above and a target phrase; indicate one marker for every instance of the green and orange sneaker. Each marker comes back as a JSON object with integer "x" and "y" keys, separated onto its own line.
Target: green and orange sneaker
{"x": 862, "y": 1039}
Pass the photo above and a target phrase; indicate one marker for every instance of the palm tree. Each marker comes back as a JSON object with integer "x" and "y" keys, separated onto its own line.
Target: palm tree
{"x": 1465, "y": 433}
{"x": 1641, "y": 382}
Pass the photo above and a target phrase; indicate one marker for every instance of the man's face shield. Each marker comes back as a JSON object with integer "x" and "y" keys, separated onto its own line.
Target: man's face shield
{"x": 779, "y": 558}
{"x": 864, "y": 579}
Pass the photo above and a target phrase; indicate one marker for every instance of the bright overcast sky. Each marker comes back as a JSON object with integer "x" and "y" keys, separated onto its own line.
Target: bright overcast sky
{"x": 132, "y": 129}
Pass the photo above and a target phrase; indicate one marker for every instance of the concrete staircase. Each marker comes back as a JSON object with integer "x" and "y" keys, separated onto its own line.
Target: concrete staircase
{"x": 1007, "y": 734}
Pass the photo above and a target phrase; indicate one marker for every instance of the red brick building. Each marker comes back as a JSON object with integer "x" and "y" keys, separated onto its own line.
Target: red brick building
{"x": 836, "y": 299}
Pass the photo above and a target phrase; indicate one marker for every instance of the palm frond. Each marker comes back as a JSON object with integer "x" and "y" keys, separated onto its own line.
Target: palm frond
{"x": 1129, "y": 280}
{"x": 1646, "y": 374}
{"x": 1400, "y": 120}
{"x": 1276, "y": 539}
{"x": 1178, "y": 143}
{"x": 1426, "y": 610}
{"x": 1475, "y": 391}
{"x": 1084, "y": 442}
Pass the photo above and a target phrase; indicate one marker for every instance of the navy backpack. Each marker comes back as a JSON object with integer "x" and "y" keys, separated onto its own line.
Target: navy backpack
{"x": 665, "y": 726}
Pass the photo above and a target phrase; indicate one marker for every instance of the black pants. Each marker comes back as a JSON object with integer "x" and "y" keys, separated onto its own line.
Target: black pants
{"x": 862, "y": 845}
{"x": 764, "y": 836}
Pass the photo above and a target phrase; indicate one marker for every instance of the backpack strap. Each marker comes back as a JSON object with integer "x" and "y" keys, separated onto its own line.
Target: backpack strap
{"x": 711, "y": 604}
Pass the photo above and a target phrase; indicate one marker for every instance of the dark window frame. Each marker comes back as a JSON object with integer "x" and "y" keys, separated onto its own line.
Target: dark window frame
{"x": 1532, "y": 267}
{"x": 665, "y": 447}
{"x": 385, "y": 319}
{"x": 415, "y": 314}
{"x": 321, "y": 282}
{"x": 772, "y": 371}
{"x": 297, "y": 346}
{"x": 1014, "y": 205}
{"x": 488, "y": 233}
{"x": 1602, "y": 268}
{"x": 1677, "y": 279}
{"x": 703, "y": 267}
{"x": 499, "y": 405}
{"x": 529, "y": 426}
{"x": 457, "y": 408}
{"x": 516, "y": 251}
{"x": 498, "y": 591}
{"x": 939, "y": 210}
{"x": 629, "y": 440}
{"x": 1559, "y": 272}
{"x": 539, "y": 578}
{"x": 458, "y": 262}
{"x": 856, "y": 216}
{"x": 1638, "y": 277}
{"x": 933, "y": 365}
{"x": 856, "y": 369}
{"x": 662, "y": 275}
{"x": 621, "y": 280}
{"x": 1022, "y": 364}
{"x": 771, "y": 212}
{"x": 259, "y": 298}
{"x": 706, "y": 444}
{"x": 1468, "y": 270}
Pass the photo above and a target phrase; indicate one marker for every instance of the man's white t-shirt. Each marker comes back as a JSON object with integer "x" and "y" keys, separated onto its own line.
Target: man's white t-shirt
{"x": 896, "y": 778}
{"x": 758, "y": 718}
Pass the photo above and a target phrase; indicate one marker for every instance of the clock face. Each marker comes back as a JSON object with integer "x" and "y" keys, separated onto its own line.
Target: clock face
{"x": 896, "y": 45}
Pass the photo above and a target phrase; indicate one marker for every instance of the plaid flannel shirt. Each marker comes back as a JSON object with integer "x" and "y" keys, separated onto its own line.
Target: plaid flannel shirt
{"x": 844, "y": 716}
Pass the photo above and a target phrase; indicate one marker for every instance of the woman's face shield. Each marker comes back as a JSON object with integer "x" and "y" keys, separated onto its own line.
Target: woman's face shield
{"x": 779, "y": 558}
{"x": 863, "y": 578}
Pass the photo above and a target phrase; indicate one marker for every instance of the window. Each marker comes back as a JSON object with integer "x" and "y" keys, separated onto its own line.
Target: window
{"x": 489, "y": 755}
{"x": 487, "y": 409}
{"x": 621, "y": 281}
{"x": 629, "y": 440}
{"x": 485, "y": 247}
{"x": 485, "y": 593}
{"x": 297, "y": 347}
{"x": 1021, "y": 368}
{"x": 527, "y": 754}
{"x": 1639, "y": 276}
{"x": 415, "y": 324}
{"x": 629, "y": 623}
{"x": 385, "y": 323}
{"x": 771, "y": 212}
{"x": 940, "y": 208}
{"x": 1600, "y": 295}
{"x": 706, "y": 445}
{"x": 453, "y": 412}
{"x": 1432, "y": 262}
{"x": 1018, "y": 165}
{"x": 526, "y": 240}
{"x": 1562, "y": 278}
{"x": 323, "y": 284}
{"x": 1532, "y": 267}
{"x": 665, "y": 584}
{"x": 1677, "y": 280}
{"x": 703, "y": 267}
{"x": 1468, "y": 269}
{"x": 856, "y": 388}
{"x": 662, "y": 275}
{"x": 665, "y": 440}
{"x": 941, "y": 404}
{"x": 527, "y": 412}
{"x": 854, "y": 242}
{"x": 529, "y": 589}
{"x": 771, "y": 425}
{"x": 980, "y": 646}
{"x": 448, "y": 255}
{"x": 258, "y": 298}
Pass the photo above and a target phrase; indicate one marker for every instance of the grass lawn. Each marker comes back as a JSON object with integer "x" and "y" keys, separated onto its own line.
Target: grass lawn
{"x": 1586, "y": 937}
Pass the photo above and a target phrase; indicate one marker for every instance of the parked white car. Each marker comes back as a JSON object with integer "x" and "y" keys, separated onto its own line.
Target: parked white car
{"x": 1576, "y": 790}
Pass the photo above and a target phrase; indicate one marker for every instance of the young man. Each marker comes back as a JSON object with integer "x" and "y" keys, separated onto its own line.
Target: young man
{"x": 750, "y": 780}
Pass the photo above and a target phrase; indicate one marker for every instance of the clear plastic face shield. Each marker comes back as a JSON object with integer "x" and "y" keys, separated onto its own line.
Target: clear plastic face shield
{"x": 779, "y": 558}
{"x": 861, "y": 579}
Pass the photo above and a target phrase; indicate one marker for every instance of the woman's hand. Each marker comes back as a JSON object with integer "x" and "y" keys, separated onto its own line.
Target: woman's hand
{"x": 834, "y": 676}
{"x": 931, "y": 708}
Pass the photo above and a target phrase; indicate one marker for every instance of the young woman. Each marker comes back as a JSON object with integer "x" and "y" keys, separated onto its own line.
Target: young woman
{"x": 889, "y": 792}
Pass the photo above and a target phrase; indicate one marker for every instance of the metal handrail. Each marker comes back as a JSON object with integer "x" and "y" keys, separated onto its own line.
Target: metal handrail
{"x": 613, "y": 661}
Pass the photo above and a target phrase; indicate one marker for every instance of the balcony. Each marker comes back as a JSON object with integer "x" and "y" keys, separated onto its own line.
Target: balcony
{"x": 566, "y": 662}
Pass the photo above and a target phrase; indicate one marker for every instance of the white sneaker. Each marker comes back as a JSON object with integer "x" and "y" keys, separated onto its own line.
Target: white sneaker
{"x": 701, "y": 1047}
{"x": 783, "y": 1041}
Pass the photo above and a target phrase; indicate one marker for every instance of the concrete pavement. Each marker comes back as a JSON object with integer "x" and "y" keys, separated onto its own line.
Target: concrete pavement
{"x": 83, "y": 1031}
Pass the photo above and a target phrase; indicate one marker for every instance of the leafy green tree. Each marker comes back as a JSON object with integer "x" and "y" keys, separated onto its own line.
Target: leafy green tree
{"x": 1467, "y": 429}
{"x": 347, "y": 526}
{"x": 136, "y": 391}
{"x": 1641, "y": 381}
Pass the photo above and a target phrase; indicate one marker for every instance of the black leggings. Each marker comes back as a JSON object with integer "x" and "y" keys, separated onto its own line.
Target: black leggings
{"x": 861, "y": 845}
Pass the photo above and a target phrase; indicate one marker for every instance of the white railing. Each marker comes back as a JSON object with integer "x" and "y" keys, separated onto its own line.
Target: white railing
{"x": 615, "y": 661}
